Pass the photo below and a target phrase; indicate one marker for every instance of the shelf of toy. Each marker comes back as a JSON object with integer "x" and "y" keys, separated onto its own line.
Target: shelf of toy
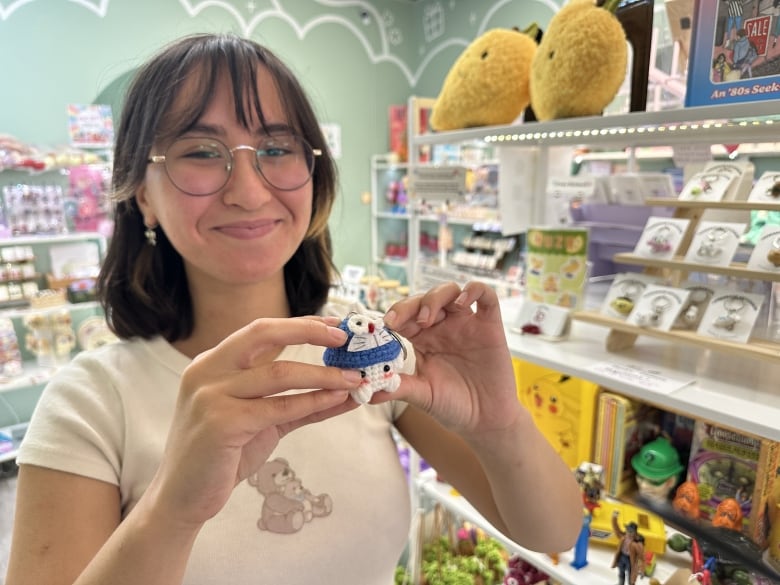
{"x": 392, "y": 215}
{"x": 736, "y": 269}
{"x": 599, "y": 556}
{"x": 725, "y": 124}
{"x": 624, "y": 334}
{"x": 764, "y": 149}
{"x": 722, "y": 387}
{"x": 736, "y": 205}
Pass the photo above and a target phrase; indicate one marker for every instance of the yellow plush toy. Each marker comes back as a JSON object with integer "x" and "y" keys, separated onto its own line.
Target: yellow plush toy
{"x": 489, "y": 82}
{"x": 580, "y": 63}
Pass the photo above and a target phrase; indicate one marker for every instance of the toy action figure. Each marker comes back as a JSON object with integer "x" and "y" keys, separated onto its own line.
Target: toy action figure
{"x": 658, "y": 468}
{"x": 630, "y": 555}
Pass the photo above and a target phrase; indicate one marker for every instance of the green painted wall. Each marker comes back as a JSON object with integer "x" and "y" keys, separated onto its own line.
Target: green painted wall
{"x": 355, "y": 57}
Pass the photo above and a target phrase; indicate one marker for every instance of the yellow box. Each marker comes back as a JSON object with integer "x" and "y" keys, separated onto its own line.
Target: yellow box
{"x": 648, "y": 525}
{"x": 563, "y": 408}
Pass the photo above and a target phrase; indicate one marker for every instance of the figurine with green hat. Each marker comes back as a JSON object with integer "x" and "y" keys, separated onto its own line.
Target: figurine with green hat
{"x": 658, "y": 468}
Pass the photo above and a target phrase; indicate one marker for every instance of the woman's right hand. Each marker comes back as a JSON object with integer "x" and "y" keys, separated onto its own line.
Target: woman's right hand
{"x": 230, "y": 413}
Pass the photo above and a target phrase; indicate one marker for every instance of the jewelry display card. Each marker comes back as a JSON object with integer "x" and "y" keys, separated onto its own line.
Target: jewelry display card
{"x": 741, "y": 170}
{"x": 715, "y": 243}
{"x": 658, "y": 185}
{"x": 693, "y": 310}
{"x": 661, "y": 237}
{"x": 706, "y": 186}
{"x": 626, "y": 189}
{"x": 658, "y": 307}
{"x": 731, "y": 315}
{"x": 766, "y": 253}
{"x": 547, "y": 321}
{"x": 624, "y": 292}
{"x": 767, "y": 188}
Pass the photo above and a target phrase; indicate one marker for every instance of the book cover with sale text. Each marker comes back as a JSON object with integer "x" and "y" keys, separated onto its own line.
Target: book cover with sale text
{"x": 735, "y": 56}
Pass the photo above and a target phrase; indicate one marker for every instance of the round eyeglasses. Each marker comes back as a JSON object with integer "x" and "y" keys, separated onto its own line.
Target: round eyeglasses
{"x": 202, "y": 166}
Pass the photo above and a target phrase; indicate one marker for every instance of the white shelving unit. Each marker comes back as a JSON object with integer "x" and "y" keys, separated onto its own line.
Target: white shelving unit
{"x": 732, "y": 390}
{"x": 599, "y": 556}
{"x": 388, "y": 226}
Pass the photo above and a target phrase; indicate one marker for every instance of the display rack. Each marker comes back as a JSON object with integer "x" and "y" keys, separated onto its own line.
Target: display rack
{"x": 623, "y": 335}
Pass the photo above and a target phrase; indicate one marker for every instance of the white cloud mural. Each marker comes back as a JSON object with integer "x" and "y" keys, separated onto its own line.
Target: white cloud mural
{"x": 249, "y": 14}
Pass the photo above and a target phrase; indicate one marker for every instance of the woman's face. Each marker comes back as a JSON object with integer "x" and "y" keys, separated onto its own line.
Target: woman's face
{"x": 246, "y": 231}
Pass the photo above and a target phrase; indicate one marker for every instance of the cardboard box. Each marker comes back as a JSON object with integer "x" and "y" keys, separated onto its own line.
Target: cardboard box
{"x": 732, "y": 57}
{"x": 728, "y": 464}
{"x": 563, "y": 408}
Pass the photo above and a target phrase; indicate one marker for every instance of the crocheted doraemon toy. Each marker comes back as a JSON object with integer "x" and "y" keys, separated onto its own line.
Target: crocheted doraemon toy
{"x": 371, "y": 348}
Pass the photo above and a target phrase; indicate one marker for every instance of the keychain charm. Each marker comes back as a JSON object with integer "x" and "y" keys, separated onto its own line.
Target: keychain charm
{"x": 660, "y": 241}
{"x": 711, "y": 247}
{"x": 731, "y": 319}
{"x": 372, "y": 349}
{"x": 705, "y": 184}
{"x": 624, "y": 303}
{"x": 774, "y": 190}
{"x": 692, "y": 313}
{"x": 659, "y": 306}
{"x": 774, "y": 253}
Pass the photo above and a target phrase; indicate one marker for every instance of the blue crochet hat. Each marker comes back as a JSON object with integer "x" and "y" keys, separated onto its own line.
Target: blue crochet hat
{"x": 363, "y": 349}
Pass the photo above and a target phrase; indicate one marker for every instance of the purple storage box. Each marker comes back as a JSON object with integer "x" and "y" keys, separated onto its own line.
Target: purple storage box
{"x": 613, "y": 229}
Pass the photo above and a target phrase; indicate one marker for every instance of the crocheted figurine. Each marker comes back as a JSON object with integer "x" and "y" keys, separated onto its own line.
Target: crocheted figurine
{"x": 374, "y": 350}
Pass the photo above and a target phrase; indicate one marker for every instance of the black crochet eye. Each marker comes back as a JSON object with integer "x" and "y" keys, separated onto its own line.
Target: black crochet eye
{"x": 386, "y": 368}
{"x": 552, "y": 54}
{"x": 362, "y": 373}
{"x": 484, "y": 55}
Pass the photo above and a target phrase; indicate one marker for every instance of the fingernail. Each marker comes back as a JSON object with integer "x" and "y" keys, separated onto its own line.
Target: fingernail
{"x": 352, "y": 376}
{"x": 461, "y": 300}
{"x": 390, "y": 318}
{"x": 422, "y": 316}
{"x": 337, "y": 334}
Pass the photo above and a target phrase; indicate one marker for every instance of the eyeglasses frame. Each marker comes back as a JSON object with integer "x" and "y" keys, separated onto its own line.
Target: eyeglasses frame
{"x": 160, "y": 158}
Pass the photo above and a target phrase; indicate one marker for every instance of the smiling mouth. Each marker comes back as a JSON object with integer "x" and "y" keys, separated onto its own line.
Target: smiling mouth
{"x": 248, "y": 231}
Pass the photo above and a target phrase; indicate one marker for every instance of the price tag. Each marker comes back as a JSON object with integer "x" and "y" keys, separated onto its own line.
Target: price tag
{"x": 644, "y": 378}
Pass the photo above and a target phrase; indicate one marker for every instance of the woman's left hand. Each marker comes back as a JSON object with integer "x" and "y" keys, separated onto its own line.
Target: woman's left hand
{"x": 464, "y": 376}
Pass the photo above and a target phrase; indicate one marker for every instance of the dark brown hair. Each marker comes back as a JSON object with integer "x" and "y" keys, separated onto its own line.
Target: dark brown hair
{"x": 144, "y": 288}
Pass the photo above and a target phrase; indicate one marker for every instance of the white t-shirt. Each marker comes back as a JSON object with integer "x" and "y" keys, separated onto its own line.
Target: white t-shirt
{"x": 331, "y": 505}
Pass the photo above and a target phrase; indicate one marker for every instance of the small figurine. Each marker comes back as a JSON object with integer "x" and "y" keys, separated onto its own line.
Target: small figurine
{"x": 372, "y": 349}
{"x": 687, "y": 500}
{"x": 580, "y": 559}
{"x": 630, "y": 554}
{"x": 658, "y": 468}
{"x": 728, "y": 514}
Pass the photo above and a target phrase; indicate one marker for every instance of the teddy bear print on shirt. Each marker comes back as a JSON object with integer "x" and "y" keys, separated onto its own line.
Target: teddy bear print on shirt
{"x": 287, "y": 505}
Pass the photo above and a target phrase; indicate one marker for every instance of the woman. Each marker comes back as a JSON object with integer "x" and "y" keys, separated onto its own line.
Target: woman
{"x": 211, "y": 445}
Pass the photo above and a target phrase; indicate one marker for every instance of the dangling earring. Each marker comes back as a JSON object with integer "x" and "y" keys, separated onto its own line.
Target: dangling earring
{"x": 151, "y": 236}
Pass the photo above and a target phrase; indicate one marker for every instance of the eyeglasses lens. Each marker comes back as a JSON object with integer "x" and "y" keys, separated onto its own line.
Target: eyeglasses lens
{"x": 201, "y": 166}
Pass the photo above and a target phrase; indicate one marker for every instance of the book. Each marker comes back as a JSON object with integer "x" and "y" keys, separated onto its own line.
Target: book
{"x": 734, "y": 53}
{"x": 728, "y": 464}
{"x": 623, "y": 426}
{"x": 557, "y": 266}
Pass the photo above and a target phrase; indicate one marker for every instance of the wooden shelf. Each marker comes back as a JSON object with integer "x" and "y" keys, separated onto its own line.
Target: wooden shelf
{"x": 616, "y": 342}
{"x": 738, "y": 269}
{"x": 736, "y": 205}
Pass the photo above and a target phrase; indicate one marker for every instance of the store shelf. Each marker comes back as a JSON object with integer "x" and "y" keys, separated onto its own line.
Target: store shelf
{"x": 735, "y": 205}
{"x": 596, "y": 572}
{"x": 755, "y": 349}
{"x": 728, "y": 124}
{"x": 736, "y": 269}
{"x": 724, "y": 388}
